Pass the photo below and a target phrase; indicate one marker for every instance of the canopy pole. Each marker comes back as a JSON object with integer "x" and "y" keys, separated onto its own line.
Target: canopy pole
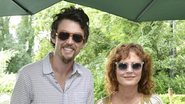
{"x": 173, "y": 49}
{"x": 172, "y": 54}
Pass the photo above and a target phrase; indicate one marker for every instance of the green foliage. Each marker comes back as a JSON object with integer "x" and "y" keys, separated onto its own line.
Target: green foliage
{"x": 178, "y": 84}
{"x": 7, "y": 83}
{"x": 96, "y": 68}
{"x": 6, "y": 56}
{"x": 23, "y": 45}
{"x": 5, "y": 36}
{"x": 163, "y": 82}
{"x": 45, "y": 47}
{"x": 18, "y": 61}
{"x": 176, "y": 99}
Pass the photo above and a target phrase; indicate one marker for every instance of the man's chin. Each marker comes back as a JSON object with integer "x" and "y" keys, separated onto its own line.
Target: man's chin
{"x": 67, "y": 60}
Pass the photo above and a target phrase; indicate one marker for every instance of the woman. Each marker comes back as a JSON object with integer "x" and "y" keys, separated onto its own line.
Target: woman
{"x": 129, "y": 77}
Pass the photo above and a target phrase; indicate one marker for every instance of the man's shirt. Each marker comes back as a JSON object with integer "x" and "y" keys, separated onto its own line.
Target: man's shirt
{"x": 36, "y": 84}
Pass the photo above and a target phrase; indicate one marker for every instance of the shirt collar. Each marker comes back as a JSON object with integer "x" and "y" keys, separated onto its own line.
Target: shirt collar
{"x": 47, "y": 69}
{"x": 76, "y": 69}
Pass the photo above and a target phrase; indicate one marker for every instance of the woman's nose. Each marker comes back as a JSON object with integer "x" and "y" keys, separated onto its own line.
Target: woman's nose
{"x": 129, "y": 69}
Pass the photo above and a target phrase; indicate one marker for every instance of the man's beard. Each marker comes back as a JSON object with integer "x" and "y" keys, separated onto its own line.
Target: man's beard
{"x": 66, "y": 61}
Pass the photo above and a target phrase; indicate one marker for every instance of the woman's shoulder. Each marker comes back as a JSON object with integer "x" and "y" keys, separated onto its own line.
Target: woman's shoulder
{"x": 153, "y": 99}
{"x": 105, "y": 100}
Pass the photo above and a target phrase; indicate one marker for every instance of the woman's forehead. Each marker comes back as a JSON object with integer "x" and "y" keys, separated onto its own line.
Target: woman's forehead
{"x": 131, "y": 55}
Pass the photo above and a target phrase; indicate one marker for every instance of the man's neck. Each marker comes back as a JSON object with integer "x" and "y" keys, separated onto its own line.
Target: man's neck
{"x": 61, "y": 70}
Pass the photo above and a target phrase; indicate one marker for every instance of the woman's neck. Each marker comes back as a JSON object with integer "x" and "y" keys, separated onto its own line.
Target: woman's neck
{"x": 128, "y": 95}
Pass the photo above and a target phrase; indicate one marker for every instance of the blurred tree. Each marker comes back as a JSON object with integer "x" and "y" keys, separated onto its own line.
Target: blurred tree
{"x": 6, "y": 39}
{"x": 24, "y": 45}
{"x": 5, "y": 58}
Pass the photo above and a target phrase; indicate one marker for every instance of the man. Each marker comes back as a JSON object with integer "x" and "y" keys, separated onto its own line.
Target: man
{"x": 57, "y": 79}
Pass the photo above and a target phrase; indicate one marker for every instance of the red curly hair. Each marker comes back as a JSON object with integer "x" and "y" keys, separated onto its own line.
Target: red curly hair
{"x": 145, "y": 84}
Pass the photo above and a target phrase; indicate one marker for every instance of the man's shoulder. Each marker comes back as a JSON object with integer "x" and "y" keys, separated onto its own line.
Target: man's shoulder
{"x": 35, "y": 66}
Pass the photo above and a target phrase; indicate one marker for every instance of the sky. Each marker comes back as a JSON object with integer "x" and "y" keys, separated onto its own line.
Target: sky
{"x": 14, "y": 21}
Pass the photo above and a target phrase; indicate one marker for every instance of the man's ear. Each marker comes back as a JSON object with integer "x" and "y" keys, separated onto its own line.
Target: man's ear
{"x": 53, "y": 40}
{"x": 83, "y": 45}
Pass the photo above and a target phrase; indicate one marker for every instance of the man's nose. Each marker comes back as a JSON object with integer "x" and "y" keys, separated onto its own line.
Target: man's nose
{"x": 70, "y": 40}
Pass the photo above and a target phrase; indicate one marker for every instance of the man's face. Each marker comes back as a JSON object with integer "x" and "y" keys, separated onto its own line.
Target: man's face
{"x": 69, "y": 40}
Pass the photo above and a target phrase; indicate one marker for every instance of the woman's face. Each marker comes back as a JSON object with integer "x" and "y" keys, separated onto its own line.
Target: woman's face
{"x": 129, "y": 70}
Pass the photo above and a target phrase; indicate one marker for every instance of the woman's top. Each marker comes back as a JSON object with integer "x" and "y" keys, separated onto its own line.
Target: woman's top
{"x": 154, "y": 99}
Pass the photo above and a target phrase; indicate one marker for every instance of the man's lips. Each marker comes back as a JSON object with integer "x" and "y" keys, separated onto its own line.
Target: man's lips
{"x": 68, "y": 48}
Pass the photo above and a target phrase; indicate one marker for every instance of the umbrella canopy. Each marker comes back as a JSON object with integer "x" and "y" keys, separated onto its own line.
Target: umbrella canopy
{"x": 24, "y": 7}
{"x": 139, "y": 10}
{"x": 135, "y": 10}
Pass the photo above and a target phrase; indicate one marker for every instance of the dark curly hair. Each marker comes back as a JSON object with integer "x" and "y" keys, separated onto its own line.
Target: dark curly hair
{"x": 74, "y": 14}
{"x": 145, "y": 84}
